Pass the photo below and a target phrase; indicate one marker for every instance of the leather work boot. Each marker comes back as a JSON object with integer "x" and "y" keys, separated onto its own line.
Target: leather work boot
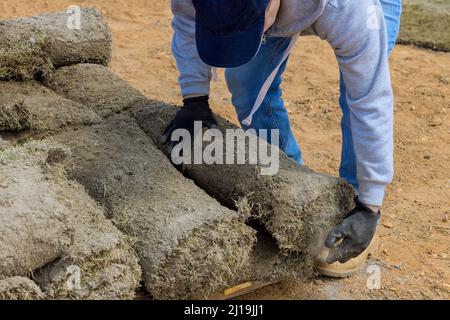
{"x": 343, "y": 270}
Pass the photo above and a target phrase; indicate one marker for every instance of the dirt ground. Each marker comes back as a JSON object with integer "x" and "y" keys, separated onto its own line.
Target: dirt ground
{"x": 414, "y": 247}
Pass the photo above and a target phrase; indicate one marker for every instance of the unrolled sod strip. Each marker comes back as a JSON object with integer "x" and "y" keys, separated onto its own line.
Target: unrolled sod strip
{"x": 31, "y": 47}
{"x": 186, "y": 241}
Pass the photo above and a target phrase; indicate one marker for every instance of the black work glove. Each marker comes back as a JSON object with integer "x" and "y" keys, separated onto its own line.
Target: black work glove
{"x": 353, "y": 235}
{"x": 194, "y": 109}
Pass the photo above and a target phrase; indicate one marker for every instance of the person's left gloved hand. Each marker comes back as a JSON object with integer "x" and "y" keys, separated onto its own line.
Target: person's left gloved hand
{"x": 353, "y": 235}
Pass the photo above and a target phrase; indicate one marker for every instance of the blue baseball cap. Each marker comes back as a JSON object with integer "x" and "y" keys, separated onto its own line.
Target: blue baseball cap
{"x": 229, "y": 32}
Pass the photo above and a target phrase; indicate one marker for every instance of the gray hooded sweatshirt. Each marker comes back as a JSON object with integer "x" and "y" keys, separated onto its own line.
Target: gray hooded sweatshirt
{"x": 356, "y": 30}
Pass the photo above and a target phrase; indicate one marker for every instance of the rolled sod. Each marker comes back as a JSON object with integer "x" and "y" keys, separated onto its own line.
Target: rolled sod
{"x": 186, "y": 241}
{"x": 51, "y": 229}
{"x": 297, "y": 206}
{"x": 32, "y": 47}
{"x": 31, "y": 106}
{"x": 102, "y": 257}
{"x": 129, "y": 204}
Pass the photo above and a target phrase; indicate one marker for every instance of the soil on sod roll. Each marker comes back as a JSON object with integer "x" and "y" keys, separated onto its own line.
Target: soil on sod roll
{"x": 32, "y": 47}
{"x": 296, "y": 205}
{"x": 31, "y": 106}
{"x": 51, "y": 229}
{"x": 188, "y": 244}
{"x": 96, "y": 87}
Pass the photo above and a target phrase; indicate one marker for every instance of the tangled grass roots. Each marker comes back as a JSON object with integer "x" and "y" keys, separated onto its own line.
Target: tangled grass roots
{"x": 23, "y": 62}
{"x": 209, "y": 259}
{"x": 108, "y": 275}
{"x": 108, "y": 269}
{"x": 19, "y": 288}
{"x": 34, "y": 148}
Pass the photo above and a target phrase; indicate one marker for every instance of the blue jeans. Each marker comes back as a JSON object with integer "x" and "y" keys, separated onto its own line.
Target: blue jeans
{"x": 244, "y": 83}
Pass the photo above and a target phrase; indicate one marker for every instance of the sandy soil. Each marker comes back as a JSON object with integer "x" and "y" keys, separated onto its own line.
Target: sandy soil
{"x": 414, "y": 250}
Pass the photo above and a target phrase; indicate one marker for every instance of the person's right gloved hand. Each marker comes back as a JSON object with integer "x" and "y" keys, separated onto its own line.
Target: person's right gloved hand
{"x": 194, "y": 109}
{"x": 354, "y": 234}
